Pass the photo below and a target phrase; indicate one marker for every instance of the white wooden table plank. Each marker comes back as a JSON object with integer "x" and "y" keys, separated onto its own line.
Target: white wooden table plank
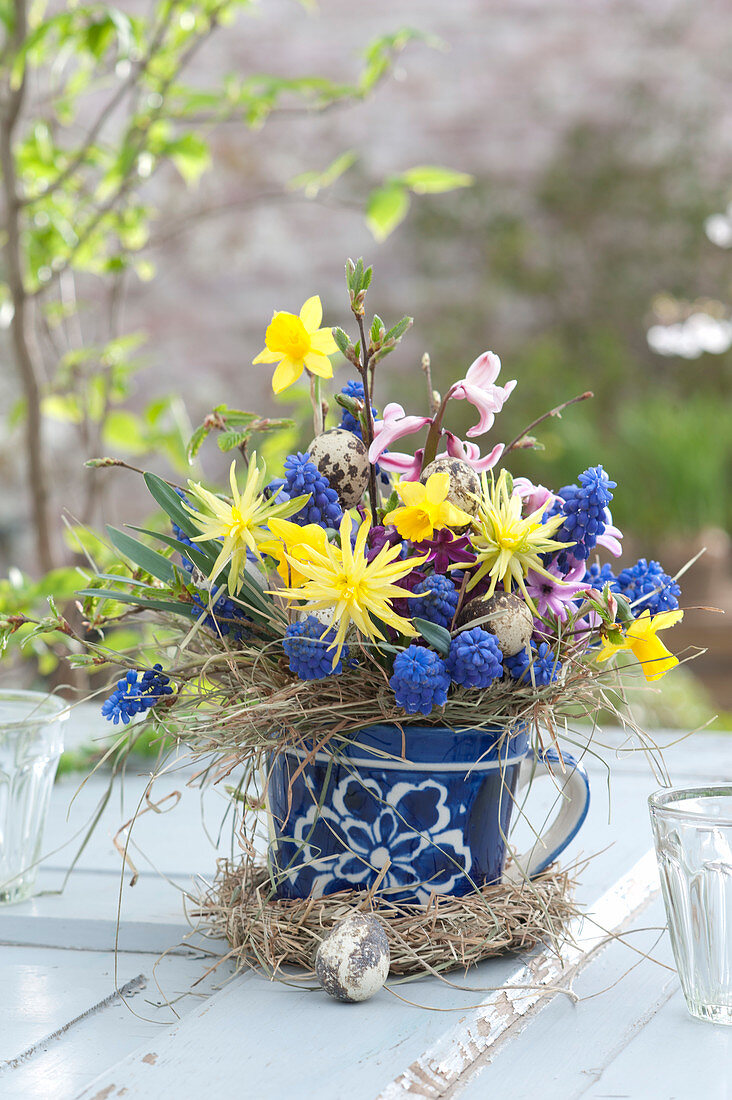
{"x": 61, "y": 1021}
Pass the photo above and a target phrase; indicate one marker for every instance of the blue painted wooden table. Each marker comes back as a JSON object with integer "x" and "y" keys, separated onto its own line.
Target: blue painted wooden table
{"x": 96, "y": 1007}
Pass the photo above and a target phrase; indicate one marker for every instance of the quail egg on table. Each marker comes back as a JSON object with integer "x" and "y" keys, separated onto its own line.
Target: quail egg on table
{"x": 352, "y": 961}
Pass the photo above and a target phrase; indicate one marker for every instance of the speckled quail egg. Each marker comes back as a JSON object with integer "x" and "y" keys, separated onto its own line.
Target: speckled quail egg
{"x": 343, "y": 459}
{"x": 464, "y": 490}
{"x": 505, "y": 615}
{"x": 352, "y": 962}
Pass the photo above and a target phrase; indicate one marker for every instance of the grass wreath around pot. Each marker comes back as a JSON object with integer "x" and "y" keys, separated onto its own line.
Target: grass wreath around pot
{"x": 269, "y": 934}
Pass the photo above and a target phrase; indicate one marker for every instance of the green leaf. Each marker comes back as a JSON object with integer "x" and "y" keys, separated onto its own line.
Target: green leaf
{"x": 429, "y": 179}
{"x": 399, "y": 329}
{"x": 199, "y": 559}
{"x": 196, "y": 440}
{"x": 227, "y": 441}
{"x": 149, "y": 560}
{"x": 341, "y": 339}
{"x": 436, "y": 635}
{"x": 190, "y": 154}
{"x": 140, "y": 601}
{"x": 125, "y": 431}
{"x": 387, "y": 206}
{"x": 312, "y": 183}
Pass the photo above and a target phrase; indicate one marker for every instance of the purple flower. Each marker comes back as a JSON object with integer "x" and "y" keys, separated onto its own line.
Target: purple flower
{"x": 552, "y": 595}
{"x": 444, "y": 549}
{"x": 379, "y": 537}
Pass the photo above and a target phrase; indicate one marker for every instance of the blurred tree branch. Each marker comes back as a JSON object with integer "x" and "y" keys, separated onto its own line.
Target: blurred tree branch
{"x": 94, "y": 105}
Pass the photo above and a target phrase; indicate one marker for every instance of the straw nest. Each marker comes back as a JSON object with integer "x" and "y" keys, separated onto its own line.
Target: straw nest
{"x": 268, "y": 934}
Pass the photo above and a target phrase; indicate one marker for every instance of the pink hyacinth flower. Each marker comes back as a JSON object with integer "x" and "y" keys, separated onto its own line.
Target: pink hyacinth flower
{"x": 533, "y": 496}
{"x": 470, "y": 453}
{"x": 394, "y": 425}
{"x": 478, "y": 387}
{"x": 611, "y": 536}
{"x": 409, "y": 466}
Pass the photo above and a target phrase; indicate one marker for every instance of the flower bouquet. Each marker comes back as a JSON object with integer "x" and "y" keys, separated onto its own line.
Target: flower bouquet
{"x": 381, "y": 646}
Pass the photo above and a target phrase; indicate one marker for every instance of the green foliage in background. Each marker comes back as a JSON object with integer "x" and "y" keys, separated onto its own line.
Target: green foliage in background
{"x": 558, "y": 277}
{"x": 96, "y": 102}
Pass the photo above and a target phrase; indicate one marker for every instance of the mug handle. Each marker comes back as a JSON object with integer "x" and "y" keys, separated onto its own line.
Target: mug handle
{"x": 574, "y": 792}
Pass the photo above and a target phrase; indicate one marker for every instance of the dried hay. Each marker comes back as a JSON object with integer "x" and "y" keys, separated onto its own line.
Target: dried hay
{"x": 269, "y": 934}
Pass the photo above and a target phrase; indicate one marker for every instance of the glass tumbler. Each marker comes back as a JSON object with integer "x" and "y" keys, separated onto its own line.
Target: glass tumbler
{"x": 30, "y": 747}
{"x": 692, "y": 829}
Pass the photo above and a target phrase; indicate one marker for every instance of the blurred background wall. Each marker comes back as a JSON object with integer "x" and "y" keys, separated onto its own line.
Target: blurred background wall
{"x": 600, "y": 139}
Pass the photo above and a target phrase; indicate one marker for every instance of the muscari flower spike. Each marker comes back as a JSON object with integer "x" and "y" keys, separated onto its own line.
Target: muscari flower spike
{"x": 437, "y": 602}
{"x": 597, "y": 576}
{"x": 647, "y": 586}
{"x": 353, "y": 388}
{"x": 223, "y": 616}
{"x": 303, "y": 476}
{"x": 420, "y": 680}
{"x": 136, "y": 692}
{"x": 475, "y": 658}
{"x": 583, "y": 509}
{"x": 539, "y": 662}
{"x": 306, "y": 644}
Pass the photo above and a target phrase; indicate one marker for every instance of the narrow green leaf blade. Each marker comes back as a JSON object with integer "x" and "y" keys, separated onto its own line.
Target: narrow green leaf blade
{"x": 149, "y": 560}
{"x": 139, "y": 601}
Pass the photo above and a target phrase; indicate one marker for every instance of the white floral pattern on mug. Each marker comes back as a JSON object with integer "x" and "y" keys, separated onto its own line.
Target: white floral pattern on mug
{"x": 406, "y": 827}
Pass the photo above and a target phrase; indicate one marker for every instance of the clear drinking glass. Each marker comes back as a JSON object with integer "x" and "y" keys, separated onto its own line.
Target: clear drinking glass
{"x": 30, "y": 747}
{"x": 692, "y": 828}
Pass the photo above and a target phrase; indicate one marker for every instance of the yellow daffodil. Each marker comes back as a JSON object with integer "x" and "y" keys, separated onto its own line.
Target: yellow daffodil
{"x": 507, "y": 545}
{"x": 641, "y": 639}
{"x": 293, "y": 543}
{"x": 341, "y": 578}
{"x": 426, "y": 508}
{"x": 296, "y": 343}
{"x": 241, "y": 524}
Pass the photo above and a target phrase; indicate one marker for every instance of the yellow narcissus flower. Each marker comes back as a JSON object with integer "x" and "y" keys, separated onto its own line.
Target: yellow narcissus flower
{"x": 341, "y": 578}
{"x": 641, "y": 639}
{"x": 293, "y": 543}
{"x": 295, "y": 343}
{"x": 425, "y": 509}
{"x": 241, "y": 524}
{"x": 506, "y": 545}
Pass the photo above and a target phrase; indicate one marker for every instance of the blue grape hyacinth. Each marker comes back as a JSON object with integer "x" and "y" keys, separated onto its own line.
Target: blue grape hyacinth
{"x": 475, "y": 658}
{"x": 353, "y": 388}
{"x": 223, "y": 615}
{"x": 136, "y": 692}
{"x": 303, "y": 476}
{"x": 438, "y": 600}
{"x": 420, "y": 680}
{"x": 307, "y": 647}
{"x": 539, "y": 660}
{"x": 584, "y": 514}
{"x": 598, "y": 576}
{"x": 181, "y": 536}
{"x": 647, "y": 586}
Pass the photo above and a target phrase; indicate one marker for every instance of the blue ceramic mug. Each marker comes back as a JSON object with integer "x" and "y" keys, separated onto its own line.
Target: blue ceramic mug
{"x": 430, "y": 805}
